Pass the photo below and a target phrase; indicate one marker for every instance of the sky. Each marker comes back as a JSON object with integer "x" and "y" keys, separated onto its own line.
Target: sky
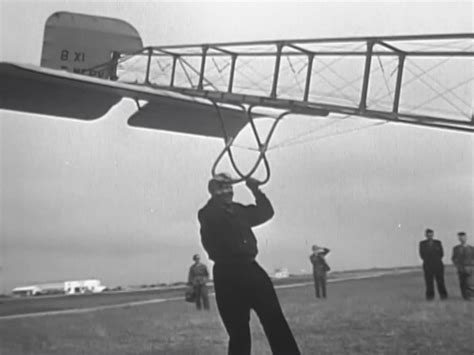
{"x": 105, "y": 200}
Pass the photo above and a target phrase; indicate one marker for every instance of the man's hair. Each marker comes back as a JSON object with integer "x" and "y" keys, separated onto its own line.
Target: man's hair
{"x": 460, "y": 234}
{"x": 195, "y": 257}
{"x": 428, "y": 231}
{"x": 215, "y": 185}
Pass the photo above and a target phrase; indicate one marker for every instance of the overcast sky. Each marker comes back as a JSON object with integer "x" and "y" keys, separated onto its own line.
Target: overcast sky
{"x": 105, "y": 200}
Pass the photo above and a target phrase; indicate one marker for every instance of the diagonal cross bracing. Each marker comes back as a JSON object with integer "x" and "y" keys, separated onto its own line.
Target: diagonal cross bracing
{"x": 257, "y": 74}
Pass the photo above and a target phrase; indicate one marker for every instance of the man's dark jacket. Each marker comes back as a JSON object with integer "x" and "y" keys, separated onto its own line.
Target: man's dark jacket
{"x": 431, "y": 253}
{"x": 226, "y": 232}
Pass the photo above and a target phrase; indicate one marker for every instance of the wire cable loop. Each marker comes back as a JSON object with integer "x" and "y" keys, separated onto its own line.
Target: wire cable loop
{"x": 262, "y": 146}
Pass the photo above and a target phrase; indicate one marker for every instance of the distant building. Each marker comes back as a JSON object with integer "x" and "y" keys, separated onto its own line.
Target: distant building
{"x": 51, "y": 288}
{"x": 26, "y": 291}
{"x": 281, "y": 273}
{"x": 66, "y": 287}
{"x": 83, "y": 286}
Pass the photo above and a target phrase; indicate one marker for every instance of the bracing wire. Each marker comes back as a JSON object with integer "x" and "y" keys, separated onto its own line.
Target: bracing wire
{"x": 449, "y": 90}
{"x": 180, "y": 60}
{"x": 291, "y": 87}
{"x": 347, "y": 84}
{"x": 251, "y": 80}
{"x": 414, "y": 78}
{"x": 290, "y": 140}
{"x": 387, "y": 86}
{"x": 450, "y": 44}
{"x": 441, "y": 95}
{"x": 355, "y": 80}
{"x": 162, "y": 67}
{"x": 348, "y": 98}
{"x": 318, "y": 138}
{"x": 196, "y": 72}
{"x": 437, "y": 82}
{"x": 220, "y": 70}
{"x": 294, "y": 72}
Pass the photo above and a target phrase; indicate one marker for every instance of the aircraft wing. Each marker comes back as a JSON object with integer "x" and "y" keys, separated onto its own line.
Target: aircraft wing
{"x": 58, "y": 93}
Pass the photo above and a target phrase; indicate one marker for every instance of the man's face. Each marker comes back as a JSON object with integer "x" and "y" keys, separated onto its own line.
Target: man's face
{"x": 429, "y": 235}
{"x": 225, "y": 193}
{"x": 463, "y": 238}
{"x": 197, "y": 258}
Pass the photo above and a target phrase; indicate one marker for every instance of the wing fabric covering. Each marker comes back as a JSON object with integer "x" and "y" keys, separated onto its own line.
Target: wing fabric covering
{"x": 39, "y": 93}
{"x": 66, "y": 95}
{"x": 189, "y": 117}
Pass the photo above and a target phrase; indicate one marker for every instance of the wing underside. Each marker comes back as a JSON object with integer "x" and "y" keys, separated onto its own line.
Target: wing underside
{"x": 61, "y": 94}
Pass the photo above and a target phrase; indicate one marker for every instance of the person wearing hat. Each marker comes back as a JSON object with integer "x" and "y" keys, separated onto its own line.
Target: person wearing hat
{"x": 431, "y": 252}
{"x": 240, "y": 282}
{"x": 197, "y": 279}
{"x": 320, "y": 269}
{"x": 463, "y": 259}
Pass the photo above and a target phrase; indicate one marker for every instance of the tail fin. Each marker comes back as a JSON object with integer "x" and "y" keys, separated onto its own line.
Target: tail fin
{"x": 77, "y": 42}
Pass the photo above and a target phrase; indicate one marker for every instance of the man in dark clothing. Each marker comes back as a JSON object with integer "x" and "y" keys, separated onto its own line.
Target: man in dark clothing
{"x": 197, "y": 279}
{"x": 239, "y": 281}
{"x": 320, "y": 269}
{"x": 463, "y": 259}
{"x": 431, "y": 252}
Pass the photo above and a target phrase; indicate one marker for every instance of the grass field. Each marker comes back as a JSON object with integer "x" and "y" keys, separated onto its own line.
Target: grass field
{"x": 384, "y": 315}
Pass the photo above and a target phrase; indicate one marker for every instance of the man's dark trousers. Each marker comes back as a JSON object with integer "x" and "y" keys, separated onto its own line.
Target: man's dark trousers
{"x": 434, "y": 272}
{"x": 467, "y": 291}
{"x": 320, "y": 283}
{"x": 201, "y": 294}
{"x": 240, "y": 288}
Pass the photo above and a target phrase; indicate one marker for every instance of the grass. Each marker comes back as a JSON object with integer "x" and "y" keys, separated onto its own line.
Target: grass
{"x": 23, "y": 305}
{"x": 385, "y": 315}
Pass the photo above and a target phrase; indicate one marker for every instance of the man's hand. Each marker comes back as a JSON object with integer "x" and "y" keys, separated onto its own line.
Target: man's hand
{"x": 252, "y": 184}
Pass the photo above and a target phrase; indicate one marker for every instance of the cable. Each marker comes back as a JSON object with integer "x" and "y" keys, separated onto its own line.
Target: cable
{"x": 438, "y": 93}
{"x": 346, "y": 82}
{"x": 384, "y": 78}
{"x": 333, "y": 135}
{"x": 288, "y": 141}
{"x": 198, "y": 74}
{"x": 185, "y": 72}
{"x": 414, "y": 79}
{"x": 441, "y": 95}
{"x": 437, "y": 82}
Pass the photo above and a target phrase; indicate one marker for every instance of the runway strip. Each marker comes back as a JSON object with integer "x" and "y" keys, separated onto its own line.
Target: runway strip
{"x": 180, "y": 298}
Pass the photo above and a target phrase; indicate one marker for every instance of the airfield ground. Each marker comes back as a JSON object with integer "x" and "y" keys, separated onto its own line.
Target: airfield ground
{"x": 386, "y": 314}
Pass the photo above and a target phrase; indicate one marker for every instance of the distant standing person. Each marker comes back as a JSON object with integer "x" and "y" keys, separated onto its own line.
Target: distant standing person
{"x": 197, "y": 278}
{"x": 320, "y": 269}
{"x": 463, "y": 259}
{"x": 431, "y": 252}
